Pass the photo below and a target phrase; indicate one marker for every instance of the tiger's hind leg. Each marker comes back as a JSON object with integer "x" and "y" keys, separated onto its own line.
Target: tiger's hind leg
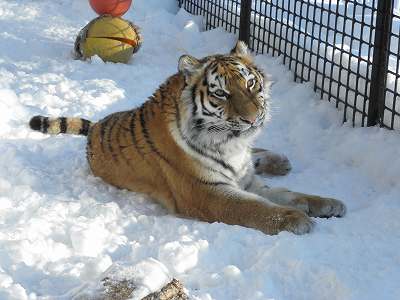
{"x": 267, "y": 162}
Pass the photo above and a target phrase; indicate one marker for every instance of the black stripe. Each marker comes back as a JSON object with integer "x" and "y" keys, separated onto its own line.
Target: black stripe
{"x": 118, "y": 137}
{"x": 103, "y": 125}
{"x": 110, "y": 147}
{"x": 213, "y": 104}
{"x": 218, "y": 172}
{"x": 63, "y": 125}
{"x": 133, "y": 134}
{"x": 206, "y": 112}
{"x": 194, "y": 111}
{"x": 36, "y": 122}
{"x": 178, "y": 114}
{"x": 151, "y": 104}
{"x": 162, "y": 90}
{"x": 218, "y": 78}
{"x": 85, "y": 127}
{"x": 204, "y": 109}
{"x": 213, "y": 183}
{"x": 45, "y": 124}
{"x": 132, "y": 130}
{"x": 199, "y": 122}
{"x": 146, "y": 135}
{"x": 163, "y": 97}
{"x": 156, "y": 97}
{"x": 89, "y": 153}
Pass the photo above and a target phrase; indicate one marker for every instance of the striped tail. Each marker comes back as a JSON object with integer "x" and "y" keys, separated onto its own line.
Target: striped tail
{"x": 60, "y": 125}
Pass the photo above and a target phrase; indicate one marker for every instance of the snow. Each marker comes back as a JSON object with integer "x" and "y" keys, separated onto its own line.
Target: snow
{"x": 62, "y": 230}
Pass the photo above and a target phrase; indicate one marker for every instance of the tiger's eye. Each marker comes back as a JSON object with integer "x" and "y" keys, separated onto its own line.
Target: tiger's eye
{"x": 220, "y": 93}
{"x": 251, "y": 83}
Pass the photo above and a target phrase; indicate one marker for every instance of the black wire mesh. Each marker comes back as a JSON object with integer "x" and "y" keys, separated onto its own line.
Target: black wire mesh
{"x": 391, "y": 113}
{"x": 329, "y": 43}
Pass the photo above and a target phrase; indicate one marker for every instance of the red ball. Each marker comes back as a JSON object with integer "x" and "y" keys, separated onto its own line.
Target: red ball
{"x": 115, "y": 8}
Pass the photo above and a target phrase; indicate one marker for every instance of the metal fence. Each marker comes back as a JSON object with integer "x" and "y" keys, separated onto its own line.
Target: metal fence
{"x": 349, "y": 50}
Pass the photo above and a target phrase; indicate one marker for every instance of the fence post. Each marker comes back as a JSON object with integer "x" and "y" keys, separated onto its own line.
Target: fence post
{"x": 380, "y": 63}
{"x": 244, "y": 27}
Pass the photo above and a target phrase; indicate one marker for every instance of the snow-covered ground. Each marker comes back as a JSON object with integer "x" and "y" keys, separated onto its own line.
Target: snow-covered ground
{"x": 63, "y": 230}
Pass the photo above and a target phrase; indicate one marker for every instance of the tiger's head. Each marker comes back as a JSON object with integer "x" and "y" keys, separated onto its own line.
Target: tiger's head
{"x": 225, "y": 97}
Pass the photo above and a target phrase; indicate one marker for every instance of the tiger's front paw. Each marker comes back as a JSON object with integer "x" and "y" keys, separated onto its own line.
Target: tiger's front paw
{"x": 316, "y": 206}
{"x": 297, "y": 222}
{"x": 270, "y": 163}
{"x": 289, "y": 219}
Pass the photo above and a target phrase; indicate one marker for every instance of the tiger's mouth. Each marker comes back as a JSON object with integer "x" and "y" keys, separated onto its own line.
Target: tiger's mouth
{"x": 237, "y": 131}
{"x": 242, "y": 127}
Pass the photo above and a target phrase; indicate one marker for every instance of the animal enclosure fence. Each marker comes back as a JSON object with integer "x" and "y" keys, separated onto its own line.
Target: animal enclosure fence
{"x": 349, "y": 50}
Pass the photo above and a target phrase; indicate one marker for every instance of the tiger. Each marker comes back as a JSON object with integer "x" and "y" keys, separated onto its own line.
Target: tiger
{"x": 189, "y": 147}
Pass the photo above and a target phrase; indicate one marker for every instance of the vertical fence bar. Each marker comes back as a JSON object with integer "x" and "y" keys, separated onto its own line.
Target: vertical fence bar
{"x": 245, "y": 13}
{"x": 380, "y": 63}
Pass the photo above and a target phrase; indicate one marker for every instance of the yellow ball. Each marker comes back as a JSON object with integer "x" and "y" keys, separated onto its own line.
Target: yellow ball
{"x": 111, "y": 38}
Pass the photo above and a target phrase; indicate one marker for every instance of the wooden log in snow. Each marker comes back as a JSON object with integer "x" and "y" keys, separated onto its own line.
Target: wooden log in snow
{"x": 172, "y": 291}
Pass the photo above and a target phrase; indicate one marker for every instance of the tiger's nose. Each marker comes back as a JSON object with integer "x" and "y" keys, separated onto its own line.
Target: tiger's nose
{"x": 249, "y": 119}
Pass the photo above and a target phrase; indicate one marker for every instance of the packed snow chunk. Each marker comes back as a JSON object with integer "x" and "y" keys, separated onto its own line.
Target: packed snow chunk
{"x": 179, "y": 256}
{"x": 231, "y": 271}
{"x": 89, "y": 239}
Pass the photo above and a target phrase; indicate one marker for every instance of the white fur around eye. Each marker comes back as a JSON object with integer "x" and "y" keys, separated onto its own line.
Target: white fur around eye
{"x": 251, "y": 83}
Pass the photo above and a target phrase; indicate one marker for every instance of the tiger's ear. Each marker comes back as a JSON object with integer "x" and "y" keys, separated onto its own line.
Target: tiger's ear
{"x": 188, "y": 64}
{"x": 241, "y": 50}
